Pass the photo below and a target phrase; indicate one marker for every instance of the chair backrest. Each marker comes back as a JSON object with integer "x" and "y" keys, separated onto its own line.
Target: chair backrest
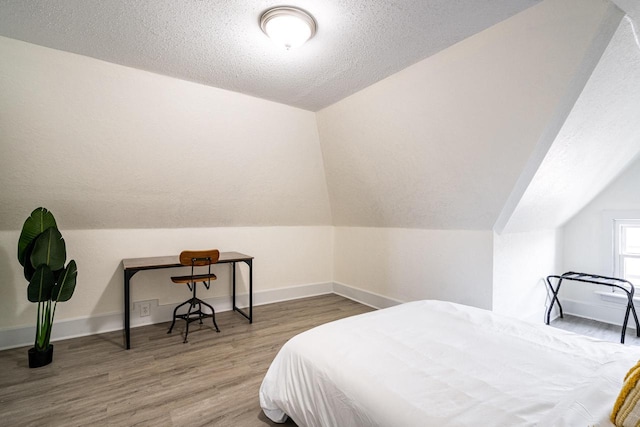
{"x": 199, "y": 258}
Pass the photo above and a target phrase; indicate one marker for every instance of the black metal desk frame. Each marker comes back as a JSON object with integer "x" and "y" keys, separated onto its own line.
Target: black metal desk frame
{"x": 613, "y": 282}
{"x": 134, "y": 265}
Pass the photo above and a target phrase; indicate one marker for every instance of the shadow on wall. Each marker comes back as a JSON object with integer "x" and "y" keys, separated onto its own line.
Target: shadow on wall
{"x": 9, "y": 285}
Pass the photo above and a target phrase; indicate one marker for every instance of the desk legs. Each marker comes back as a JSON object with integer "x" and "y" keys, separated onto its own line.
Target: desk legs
{"x": 128, "y": 274}
{"x": 127, "y": 310}
{"x": 235, "y": 308}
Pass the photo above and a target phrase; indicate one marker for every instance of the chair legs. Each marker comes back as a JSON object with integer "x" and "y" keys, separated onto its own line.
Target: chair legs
{"x": 193, "y": 315}
{"x": 213, "y": 315}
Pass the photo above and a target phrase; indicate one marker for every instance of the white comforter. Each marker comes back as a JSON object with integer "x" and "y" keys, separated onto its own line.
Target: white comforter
{"x": 433, "y": 363}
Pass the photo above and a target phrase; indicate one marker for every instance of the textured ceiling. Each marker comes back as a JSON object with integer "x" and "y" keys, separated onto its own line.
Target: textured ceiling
{"x": 632, "y": 9}
{"x": 219, "y": 42}
{"x": 603, "y": 124}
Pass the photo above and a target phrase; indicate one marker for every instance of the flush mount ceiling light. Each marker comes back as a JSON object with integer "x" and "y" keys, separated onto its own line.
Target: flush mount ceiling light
{"x": 288, "y": 26}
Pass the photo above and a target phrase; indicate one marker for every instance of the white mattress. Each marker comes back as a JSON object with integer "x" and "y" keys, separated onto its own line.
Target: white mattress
{"x": 433, "y": 363}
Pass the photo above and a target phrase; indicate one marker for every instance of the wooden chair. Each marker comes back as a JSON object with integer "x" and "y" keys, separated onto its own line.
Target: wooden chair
{"x": 196, "y": 259}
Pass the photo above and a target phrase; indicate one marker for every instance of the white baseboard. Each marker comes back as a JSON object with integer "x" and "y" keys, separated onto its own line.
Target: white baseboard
{"x": 364, "y": 297}
{"x": 71, "y": 328}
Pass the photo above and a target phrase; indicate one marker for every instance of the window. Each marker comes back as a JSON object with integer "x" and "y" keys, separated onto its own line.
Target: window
{"x": 627, "y": 250}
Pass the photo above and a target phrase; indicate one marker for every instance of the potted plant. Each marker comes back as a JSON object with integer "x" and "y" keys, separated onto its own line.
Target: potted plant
{"x": 42, "y": 253}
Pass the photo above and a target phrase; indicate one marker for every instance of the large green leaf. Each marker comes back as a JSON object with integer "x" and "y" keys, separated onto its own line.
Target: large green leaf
{"x": 49, "y": 249}
{"x": 40, "y": 220}
{"x": 63, "y": 290}
{"x": 28, "y": 268}
{"x": 41, "y": 284}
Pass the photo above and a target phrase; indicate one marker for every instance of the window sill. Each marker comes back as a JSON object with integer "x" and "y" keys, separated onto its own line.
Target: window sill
{"x": 616, "y": 297}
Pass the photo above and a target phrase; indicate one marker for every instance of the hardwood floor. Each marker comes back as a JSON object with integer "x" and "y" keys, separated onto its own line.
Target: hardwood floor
{"x": 593, "y": 328}
{"x": 212, "y": 380}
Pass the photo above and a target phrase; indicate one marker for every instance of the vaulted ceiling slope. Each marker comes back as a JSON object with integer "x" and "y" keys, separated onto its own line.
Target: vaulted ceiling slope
{"x": 597, "y": 142}
{"x": 441, "y": 144}
{"x": 110, "y": 147}
{"x": 219, "y": 43}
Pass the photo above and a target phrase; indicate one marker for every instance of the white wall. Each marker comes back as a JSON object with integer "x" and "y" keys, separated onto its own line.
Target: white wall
{"x": 521, "y": 261}
{"x": 135, "y": 164}
{"x": 284, "y": 257}
{"x": 588, "y": 244}
{"x": 290, "y": 262}
{"x": 434, "y": 151}
{"x": 406, "y": 265}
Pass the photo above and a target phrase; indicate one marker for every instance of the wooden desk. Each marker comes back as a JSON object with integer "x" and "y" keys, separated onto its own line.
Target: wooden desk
{"x": 133, "y": 265}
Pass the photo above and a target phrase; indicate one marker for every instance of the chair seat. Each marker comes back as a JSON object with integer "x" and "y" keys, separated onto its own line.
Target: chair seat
{"x": 196, "y": 277}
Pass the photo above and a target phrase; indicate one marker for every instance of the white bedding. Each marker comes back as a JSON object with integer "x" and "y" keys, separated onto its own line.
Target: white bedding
{"x": 433, "y": 363}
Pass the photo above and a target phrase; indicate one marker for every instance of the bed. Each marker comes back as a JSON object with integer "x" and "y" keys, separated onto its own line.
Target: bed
{"x": 435, "y": 363}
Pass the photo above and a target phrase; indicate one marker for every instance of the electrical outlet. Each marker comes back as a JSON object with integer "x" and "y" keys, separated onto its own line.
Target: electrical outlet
{"x": 145, "y": 309}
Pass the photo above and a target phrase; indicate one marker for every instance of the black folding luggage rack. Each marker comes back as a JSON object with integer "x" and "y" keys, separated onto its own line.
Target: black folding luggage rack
{"x": 613, "y": 282}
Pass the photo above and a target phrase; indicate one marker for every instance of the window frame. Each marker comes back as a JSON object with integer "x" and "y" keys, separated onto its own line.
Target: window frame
{"x": 619, "y": 240}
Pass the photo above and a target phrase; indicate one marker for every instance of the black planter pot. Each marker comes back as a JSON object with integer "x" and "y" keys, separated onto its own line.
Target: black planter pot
{"x": 40, "y": 358}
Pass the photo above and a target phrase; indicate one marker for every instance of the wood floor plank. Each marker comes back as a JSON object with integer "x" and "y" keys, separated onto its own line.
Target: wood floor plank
{"x": 213, "y": 380}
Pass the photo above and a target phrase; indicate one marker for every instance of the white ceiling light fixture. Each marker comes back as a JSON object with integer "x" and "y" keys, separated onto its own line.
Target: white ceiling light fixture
{"x": 288, "y": 26}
